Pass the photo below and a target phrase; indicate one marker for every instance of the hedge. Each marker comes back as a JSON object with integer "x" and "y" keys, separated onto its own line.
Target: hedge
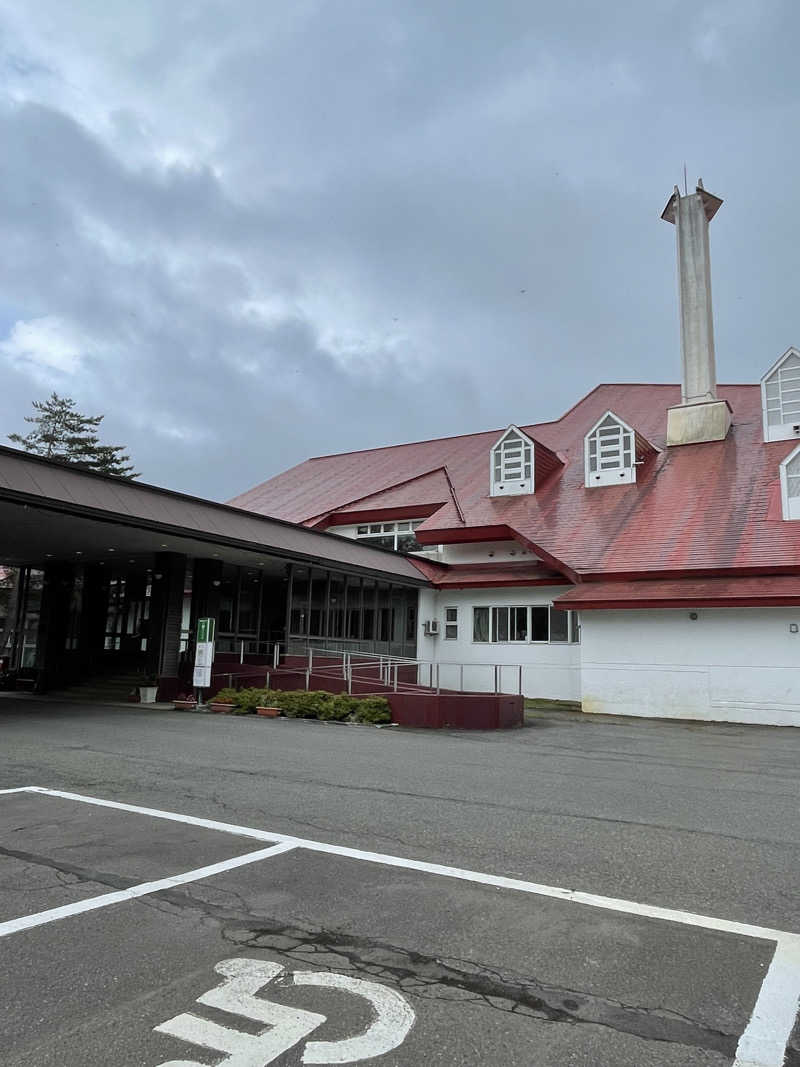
{"x": 312, "y": 704}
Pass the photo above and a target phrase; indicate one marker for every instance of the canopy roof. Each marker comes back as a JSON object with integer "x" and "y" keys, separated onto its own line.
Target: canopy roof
{"x": 50, "y": 510}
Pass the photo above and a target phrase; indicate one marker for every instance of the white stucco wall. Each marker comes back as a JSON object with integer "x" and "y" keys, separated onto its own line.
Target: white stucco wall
{"x": 728, "y": 665}
{"x": 548, "y": 670}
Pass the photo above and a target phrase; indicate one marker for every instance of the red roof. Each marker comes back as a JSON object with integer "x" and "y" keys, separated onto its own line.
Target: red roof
{"x": 696, "y": 508}
{"x": 766, "y": 591}
{"x": 474, "y": 575}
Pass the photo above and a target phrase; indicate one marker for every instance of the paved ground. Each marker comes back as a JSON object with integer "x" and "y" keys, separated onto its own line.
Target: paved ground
{"x": 453, "y": 967}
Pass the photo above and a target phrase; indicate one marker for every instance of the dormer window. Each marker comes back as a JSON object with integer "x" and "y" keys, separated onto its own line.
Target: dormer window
{"x": 790, "y": 485}
{"x": 610, "y": 453}
{"x": 780, "y": 398}
{"x": 511, "y": 464}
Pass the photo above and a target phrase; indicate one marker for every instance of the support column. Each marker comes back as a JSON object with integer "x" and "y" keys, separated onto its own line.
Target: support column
{"x": 53, "y": 621}
{"x": 169, "y": 571}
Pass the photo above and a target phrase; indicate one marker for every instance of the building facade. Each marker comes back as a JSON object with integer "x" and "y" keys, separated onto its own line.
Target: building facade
{"x": 640, "y": 554}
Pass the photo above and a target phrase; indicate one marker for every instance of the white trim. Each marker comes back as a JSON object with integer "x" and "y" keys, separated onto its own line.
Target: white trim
{"x": 790, "y": 506}
{"x": 784, "y": 431}
{"x": 621, "y": 475}
{"x": 512, "y": 487}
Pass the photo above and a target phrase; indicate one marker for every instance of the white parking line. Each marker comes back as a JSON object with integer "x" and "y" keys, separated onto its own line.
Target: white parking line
{"x": 27, "y": 922}
{"x": 763, "y": 1042}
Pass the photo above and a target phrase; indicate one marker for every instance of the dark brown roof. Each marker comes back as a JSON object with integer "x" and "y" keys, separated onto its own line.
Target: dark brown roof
{"x": 60, "y": 487}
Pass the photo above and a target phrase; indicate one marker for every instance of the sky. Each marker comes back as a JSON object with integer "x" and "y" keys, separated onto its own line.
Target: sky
{"x": 250, "y": 232}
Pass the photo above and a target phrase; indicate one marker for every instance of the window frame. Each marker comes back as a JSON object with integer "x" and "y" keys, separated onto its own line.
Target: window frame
{"x": 502, "y": 479}
{"x": 572, "y": 624}
{"x": 448, "y": 624}
{"x": 784, "y": 429}
{"x": 790, "y": 503}
{"x": 620, "y": 473}
{"x": 377, "y": 532}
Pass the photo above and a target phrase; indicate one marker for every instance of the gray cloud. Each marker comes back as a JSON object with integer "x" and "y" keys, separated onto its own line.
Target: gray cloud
{"x": 250, "y": 234}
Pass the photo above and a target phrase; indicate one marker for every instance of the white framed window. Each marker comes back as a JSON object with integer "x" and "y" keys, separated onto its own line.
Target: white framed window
{"x": 511, "y": 464}
{"x": 780, "y": 398}
{"x": 509, "y": 624}
{"x": 790, "y": 485}
{"x": 534, "y": 624}
{"x": 451, "y": 624}
{"x": 398, "y": 536}
{"x": 610, "y": 453}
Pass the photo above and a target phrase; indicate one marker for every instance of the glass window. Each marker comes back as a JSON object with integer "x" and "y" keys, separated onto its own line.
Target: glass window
{"x": 369, "y": 609}
{"x": 249, "y": 596}
{"x": 353, "y": 608}
{"x": 451, "y": 624}
{"x": 227, "y": 595}
{"x": 574, "y": 627}
{"x": 319, "y": 587}
{"x": 518, "y": 624}
{"x": 540, "y": 628}
{"x": 559, "y": 625}
{"x": 499, "y": 624}
{"x": 480, "y": 624}
{"x": 298, "y": 619}
{"x": 336, "y": 617}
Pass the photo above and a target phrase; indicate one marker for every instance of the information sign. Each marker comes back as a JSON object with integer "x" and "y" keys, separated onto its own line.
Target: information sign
{"x": 204, "y": 653}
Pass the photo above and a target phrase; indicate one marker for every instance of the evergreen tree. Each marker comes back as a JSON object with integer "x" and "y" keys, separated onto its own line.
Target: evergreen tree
{"x": 61, "y": 432}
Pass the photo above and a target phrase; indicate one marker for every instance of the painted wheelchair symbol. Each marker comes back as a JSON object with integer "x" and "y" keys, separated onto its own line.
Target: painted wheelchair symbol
{"x": 287, "y": 1027}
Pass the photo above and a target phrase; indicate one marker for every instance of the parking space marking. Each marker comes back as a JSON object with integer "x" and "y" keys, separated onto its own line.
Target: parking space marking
{"x": 78, "y": 907}
{"x": 763, "y": 1043}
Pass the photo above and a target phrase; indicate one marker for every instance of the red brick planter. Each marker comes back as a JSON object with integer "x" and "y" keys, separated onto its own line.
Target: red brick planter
{"x": 220, "y": 708}
{"x": 184, "y": 705}
{"x": 268, "y": 713}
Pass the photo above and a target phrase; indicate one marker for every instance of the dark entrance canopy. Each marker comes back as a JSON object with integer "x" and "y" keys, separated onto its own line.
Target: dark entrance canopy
{"x": 114, "y": 573}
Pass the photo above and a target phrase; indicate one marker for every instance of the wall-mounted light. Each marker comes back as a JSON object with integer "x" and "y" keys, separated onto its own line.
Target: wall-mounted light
{"x": 793, "y": 627}
{"x": 216, "y": 583}
{"x": 158, "y": 576}
{"x": 692, "y": 614}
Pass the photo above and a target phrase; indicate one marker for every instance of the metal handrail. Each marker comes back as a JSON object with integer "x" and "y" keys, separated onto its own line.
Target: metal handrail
{"x": 388, "y": 669}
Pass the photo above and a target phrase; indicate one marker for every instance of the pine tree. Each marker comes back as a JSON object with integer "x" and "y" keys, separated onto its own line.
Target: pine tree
{"x": 61, "y": 432}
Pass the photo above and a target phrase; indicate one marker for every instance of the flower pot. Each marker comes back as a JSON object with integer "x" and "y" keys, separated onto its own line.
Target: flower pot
{"x": 268, "y": 713}
{"x": 147, "y": 694}
{"x": 219, "y": 708}
{"x": 184, "y": 705}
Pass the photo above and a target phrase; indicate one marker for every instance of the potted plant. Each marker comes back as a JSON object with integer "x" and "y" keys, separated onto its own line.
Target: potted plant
{"x": 148, "y": 692}
{"x": 223, "y": 702}
{"x": 184, "y": 702}
{"x": 268, "y": 713}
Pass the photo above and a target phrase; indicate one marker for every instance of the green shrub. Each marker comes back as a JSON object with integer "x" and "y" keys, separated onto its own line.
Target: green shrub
{"x": 340, "y": 708}
{"x": 314, "y": 704}
{"x": 247, "y": 700}
{"x": 225, "y": 696}
{"x": 373, "y": 709}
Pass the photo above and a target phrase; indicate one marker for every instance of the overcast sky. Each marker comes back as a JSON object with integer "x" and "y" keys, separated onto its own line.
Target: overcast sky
{"x": 252, "y": 231}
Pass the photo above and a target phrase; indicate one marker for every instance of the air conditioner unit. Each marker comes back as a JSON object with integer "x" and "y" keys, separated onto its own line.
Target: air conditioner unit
{"x": 431, "y": 627}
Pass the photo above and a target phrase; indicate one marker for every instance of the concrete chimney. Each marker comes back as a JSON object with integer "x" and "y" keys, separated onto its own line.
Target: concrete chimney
{"x": 700, "y": 416}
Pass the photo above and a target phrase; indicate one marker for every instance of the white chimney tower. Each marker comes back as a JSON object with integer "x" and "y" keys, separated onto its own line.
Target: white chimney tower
{"x": 700, "y": 416}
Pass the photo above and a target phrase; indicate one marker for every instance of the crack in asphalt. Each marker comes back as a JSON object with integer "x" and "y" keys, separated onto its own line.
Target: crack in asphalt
{"x": 81, "y": 874}
{"x": 452, "y": 979}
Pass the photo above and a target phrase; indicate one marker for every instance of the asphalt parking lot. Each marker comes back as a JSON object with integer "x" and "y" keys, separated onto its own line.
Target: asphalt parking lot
{"x": 192, "y": 890}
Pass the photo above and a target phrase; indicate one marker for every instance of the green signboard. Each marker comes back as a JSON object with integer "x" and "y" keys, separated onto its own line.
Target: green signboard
{"x": 205, "y": 630}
